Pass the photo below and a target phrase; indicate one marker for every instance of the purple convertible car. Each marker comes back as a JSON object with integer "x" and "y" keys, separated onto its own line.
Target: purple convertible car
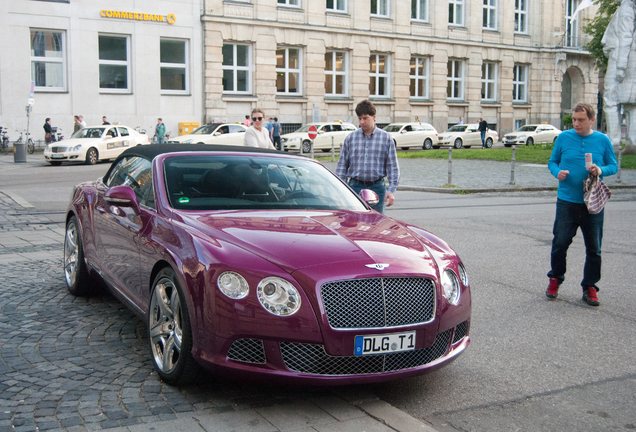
{"x": 262, "y": 263}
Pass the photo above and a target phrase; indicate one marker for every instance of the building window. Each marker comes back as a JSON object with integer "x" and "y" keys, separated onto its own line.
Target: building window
{"x": 288, "y": 71}
{"x": 380, "y": 8}
{"x": 455, "y": 80}
{"x": 571, "y": 25}
{"x": 419, "y": 10}
{"x": 174, "y": 66}
{"x": 419, "y": 77}
{"x": 114, "y": 69}
{"x": 489, "y": 78}
{"x": 379, "y": 75}
{"x": 48, "y": 60}
{"x": 489, "y": 20}
{"x": 520, "y": 83}
{"x": 456, "y": 12}
{"x": 521, "y": 16}
{"x": 336, "y": 67}
{"x": 237, "y": 73}
{"x": 294, "y": 3}
{"x": 337, "y": 5}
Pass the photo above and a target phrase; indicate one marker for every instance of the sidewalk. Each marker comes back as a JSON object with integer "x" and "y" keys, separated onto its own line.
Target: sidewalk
{"x": 73, "y": 364}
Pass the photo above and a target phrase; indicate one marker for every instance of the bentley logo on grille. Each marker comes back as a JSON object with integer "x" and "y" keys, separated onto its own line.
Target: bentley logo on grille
{"x": 377, "y": 266}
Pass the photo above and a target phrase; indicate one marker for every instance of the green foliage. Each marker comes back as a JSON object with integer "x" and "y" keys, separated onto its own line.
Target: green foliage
{"x": 566, "y": 120}
{"x": 596, "y": 28}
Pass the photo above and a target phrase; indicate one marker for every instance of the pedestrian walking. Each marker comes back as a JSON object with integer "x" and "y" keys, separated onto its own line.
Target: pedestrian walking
{"x": 160, "y": 131}
{"x": 48, "y": 131}
{"x": 105, "y": 121}
{"x": 483, "y": 127}
{"x": 275, "y": 134}
{"x": 368, "y": 158}
{"x": 77, "y": 123}
{"x": 247, "y": 122}
{"x": 257, "y": 135}
{"x": 567, "y": 164}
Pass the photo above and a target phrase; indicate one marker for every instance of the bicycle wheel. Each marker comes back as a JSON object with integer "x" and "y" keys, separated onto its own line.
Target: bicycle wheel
{"x": 30, "y": 146}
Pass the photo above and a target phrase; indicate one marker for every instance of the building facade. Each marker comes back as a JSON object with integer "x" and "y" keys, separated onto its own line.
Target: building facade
{"x": 440, "y": 61}
{"x": 130, "y": 60}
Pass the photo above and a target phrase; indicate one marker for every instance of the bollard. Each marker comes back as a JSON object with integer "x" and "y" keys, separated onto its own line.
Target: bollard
{"x": 450, "y": 166}
{"x": 311, "y": 151}
{"x": 512, "y": 164}
{"x": 619, "y": 157}
{"x": 333, "y": 150}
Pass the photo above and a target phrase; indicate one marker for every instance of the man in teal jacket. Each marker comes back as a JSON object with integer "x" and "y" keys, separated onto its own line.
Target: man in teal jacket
{"x": 567, "y": 164}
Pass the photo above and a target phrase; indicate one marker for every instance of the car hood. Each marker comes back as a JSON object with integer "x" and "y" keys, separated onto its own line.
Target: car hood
{"x": 295, "y": 135}
{"x": 305, "y": 239}
{"x": 182, "y": 138}
{"x": 518, "y": 134}
{"x": 72, "y": 142}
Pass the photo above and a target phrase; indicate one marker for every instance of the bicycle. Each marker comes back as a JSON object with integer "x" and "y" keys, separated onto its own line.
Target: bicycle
{"x": 29, "y": 142}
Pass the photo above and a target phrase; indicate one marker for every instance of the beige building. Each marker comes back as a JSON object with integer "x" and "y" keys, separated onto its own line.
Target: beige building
{"x": 439, "y": 61}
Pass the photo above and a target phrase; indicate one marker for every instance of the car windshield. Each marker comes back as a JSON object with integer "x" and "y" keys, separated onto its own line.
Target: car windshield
{"x": 527, "y": 128}
{"x": 254, "y": 182}
{"x": 205, "y": 129}
{"x": 458, "y": 128}
{"x": 89, "y": 133}
{"x": 305, "y": 128}
{"x": 393, "y": 128}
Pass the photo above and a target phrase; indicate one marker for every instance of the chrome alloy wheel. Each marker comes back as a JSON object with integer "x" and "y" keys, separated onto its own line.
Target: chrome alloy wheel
{"x": 165, "y": 325}
{"x": 71, "y": 254}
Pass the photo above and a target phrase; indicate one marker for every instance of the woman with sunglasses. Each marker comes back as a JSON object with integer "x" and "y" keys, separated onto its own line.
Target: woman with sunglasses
{"x": 257, "y": 135}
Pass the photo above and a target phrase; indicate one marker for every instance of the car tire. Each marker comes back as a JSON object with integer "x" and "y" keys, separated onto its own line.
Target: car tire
{"x": 169, "y": 331}
{"x": 529, "y": 141}
{"x": 91, "y": 156}
{"x": 488, "y": 142}
{"x": 306, "y": 146}
{"x": 76, "y": 274}
{"x": 458, "y": 143}
{"x": 55, "y": 163}
{"x": 200, "y": 143}
{"x": 428, "y": 144}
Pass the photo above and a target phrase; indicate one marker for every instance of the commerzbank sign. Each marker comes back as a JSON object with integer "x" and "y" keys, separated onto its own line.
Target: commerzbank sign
{"x": 138, "y": 16}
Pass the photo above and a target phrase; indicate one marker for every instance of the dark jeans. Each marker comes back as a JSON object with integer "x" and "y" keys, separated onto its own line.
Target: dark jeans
{"x": 378, "y": 187}
{"x": 277, "y": 142}
{"x": 483, "y": 138}
{"x": 569, "y": 217}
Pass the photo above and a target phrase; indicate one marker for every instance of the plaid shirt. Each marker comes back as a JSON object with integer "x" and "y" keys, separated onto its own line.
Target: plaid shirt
{"x": 369, "y": 157}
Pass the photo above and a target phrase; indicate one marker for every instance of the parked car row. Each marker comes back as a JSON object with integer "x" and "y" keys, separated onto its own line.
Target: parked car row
{"x": 95, "y": 143}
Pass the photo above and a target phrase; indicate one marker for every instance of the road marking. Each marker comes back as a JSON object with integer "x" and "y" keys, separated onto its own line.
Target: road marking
{"x": 19, "y": 200}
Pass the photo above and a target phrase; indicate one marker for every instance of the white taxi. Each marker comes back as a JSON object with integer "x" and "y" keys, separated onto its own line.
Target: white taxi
{"x": 328, "y": 133}
{"x": 214, "y": 133}
{"x": 407, "y": 135}
{"x": 466, "y": 135}
{"x": 532, "y": 133}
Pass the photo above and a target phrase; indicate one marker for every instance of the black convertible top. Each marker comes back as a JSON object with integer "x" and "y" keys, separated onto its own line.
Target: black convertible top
{"x": 153, "y": 150}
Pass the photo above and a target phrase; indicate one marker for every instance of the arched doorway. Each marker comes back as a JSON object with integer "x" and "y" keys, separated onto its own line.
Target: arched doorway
{"x": 572, "y": 91}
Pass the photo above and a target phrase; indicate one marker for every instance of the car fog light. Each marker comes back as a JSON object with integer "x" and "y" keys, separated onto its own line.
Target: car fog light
{"x": 278, "y": 296}
{"x": 233, "y": 285}
{"x": 450, "y": 286}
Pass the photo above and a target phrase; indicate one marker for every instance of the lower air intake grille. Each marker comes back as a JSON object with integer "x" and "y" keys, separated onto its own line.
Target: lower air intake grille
{"x": 247, "y": 351}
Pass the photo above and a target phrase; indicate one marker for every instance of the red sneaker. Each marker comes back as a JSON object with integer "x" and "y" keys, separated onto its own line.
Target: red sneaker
{"x": 553, "y": 288}
{"x": 590, "y": 296}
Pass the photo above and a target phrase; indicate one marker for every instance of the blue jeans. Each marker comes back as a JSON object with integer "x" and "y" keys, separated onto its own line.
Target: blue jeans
{"x": 569, "y": 217}
{"x": 378, "y": 187}
{"x": 483, "y": 138}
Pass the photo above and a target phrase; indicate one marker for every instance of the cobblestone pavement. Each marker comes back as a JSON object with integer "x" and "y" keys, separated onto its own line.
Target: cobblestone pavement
{"x": 77, "y": 364}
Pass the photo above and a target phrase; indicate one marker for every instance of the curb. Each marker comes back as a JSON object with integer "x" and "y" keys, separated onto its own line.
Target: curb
{"x": 468, "y": 190}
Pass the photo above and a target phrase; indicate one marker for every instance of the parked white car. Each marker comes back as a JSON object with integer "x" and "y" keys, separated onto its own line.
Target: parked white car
{"x": 328, "y": 133}
{"x": 407, "y": 135}
{"x": 466, "y": 135}
{"x": 93, "y": 144}
{"x": 214, "y": 133}
{"x": 532, "y": 133}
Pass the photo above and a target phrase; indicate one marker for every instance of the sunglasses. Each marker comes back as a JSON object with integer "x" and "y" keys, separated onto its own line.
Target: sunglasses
{"x": 257, "y": 118}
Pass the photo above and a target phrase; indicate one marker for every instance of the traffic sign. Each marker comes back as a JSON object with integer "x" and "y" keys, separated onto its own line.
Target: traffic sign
{"x": 312, "y": 132}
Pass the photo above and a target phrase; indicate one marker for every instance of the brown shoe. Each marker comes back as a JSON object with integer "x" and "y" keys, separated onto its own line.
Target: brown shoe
{"x": 590, "y": 296}
{"x": 553, "y": 289}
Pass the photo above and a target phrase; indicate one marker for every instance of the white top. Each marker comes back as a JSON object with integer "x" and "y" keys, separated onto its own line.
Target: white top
{"x": 258, "y": 138}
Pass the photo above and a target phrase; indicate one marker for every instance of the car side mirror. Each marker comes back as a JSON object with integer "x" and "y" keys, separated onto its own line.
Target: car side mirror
{"x": 122, "y": 196}
{"x": 369, "y": 196}
{"x": 403, "y": 131}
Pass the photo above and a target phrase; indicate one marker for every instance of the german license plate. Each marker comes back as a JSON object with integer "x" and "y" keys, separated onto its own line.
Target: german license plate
{"x": 384, "y": 343}
{"x": 57, "y": 156}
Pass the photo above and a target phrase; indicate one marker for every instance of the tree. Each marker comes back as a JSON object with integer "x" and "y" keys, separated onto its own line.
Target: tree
{"x": 596, "y": 28}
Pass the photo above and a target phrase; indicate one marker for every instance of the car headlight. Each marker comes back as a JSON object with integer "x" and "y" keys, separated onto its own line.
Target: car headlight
{"x": 450, "y": 286}
{"x": 278, "y": 296}
{"x": 233, "y": 285}
{"x": 77, "y": 147}
{"x": 463, "y": 276}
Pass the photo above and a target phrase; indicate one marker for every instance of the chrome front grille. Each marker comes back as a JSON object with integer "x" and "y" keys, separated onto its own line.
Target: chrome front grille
{"x": 312, "y": 358}
{"x": 58, "y": 149}
{"x": 247, "y": 351}
{"x": 378, "y": 302}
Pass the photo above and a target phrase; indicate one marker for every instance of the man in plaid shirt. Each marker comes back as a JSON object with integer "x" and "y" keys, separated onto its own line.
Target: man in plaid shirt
{"x": 368, "y": 158}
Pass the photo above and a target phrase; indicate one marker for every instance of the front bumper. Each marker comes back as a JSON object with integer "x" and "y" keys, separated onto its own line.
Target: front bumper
{"x": 61, "y": 157}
